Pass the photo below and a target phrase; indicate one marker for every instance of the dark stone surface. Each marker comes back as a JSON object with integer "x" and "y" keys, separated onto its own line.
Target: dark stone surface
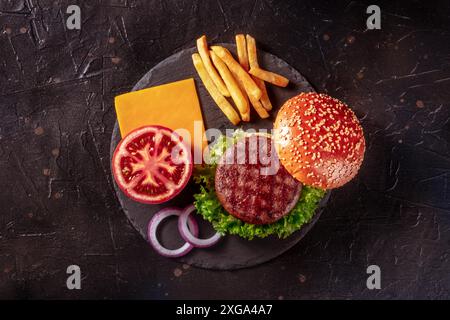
{"x": 57, "y": 116}
{"x": 232, "y": 252}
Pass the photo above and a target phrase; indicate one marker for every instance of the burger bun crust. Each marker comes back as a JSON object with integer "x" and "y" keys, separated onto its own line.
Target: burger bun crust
{"x": 319, "y": 140}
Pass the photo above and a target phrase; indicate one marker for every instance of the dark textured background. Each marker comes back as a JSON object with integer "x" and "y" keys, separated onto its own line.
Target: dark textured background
{"x": 56, "y": 118}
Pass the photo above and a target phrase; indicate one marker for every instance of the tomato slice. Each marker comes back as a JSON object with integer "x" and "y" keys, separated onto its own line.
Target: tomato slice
{"x": 152, "y": 164}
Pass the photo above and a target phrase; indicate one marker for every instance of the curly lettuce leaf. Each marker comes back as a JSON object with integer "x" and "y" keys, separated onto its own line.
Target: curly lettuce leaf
{"x": 209, "y": 206}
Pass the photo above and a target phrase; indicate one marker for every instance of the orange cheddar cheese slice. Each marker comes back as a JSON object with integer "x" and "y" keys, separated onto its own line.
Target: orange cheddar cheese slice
{"x": 174, "y": 105}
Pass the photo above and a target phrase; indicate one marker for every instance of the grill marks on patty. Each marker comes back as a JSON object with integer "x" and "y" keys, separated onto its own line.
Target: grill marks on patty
{"x": 252, "y": 185}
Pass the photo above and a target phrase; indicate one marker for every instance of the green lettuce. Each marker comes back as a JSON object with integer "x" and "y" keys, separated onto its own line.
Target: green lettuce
{"x": 208, "y": 205}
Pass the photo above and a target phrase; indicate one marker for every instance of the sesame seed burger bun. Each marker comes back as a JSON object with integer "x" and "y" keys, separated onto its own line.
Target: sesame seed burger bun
{"x": 319, "y": 140}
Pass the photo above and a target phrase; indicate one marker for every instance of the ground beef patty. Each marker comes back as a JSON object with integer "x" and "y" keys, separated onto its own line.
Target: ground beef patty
{"x": 251, "y": 183}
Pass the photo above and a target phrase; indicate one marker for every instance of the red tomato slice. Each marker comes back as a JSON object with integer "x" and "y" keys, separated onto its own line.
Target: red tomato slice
{"x": 152, "y": 164}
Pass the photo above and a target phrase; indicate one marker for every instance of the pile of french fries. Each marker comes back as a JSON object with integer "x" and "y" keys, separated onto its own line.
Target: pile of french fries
{"x": 243, "y": 81}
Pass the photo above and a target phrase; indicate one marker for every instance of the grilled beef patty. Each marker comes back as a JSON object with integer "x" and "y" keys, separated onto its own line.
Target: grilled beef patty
{"x": 251, "y": 183}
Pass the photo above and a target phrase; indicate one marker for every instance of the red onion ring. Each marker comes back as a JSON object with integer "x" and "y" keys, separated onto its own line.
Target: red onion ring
{"x": 153, "y": 225}
{"x": 191, "y": 237}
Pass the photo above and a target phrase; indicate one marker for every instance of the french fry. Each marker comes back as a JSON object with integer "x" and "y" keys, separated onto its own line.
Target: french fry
{"x": 263, "y": 114}
{"x": 253, "y": 62}
{"x": 265, "y": 96}
{"x": 242, "y": 51}
{"x": 268, "y": 76}
{"x": 233, "y": 87}
{"x": 243, "y": 58}
{"x": 202, "y": 47}
{"x": 251, "y": 49}
{"x": 250, "y": 86}
{"x": 246, "y": 116}
{"x": 219, "y": 99}
{"x": 255, "y": 103}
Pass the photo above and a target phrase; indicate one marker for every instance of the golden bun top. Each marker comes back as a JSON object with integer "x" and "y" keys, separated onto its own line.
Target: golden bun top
{"x": 319, "y": 140}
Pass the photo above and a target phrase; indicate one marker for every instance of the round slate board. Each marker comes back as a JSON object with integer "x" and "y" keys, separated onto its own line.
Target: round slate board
{"x": 232, "y": 252}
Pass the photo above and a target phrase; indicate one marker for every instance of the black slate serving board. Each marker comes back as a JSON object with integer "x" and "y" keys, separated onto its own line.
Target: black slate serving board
{"x": 232, "y": 252}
